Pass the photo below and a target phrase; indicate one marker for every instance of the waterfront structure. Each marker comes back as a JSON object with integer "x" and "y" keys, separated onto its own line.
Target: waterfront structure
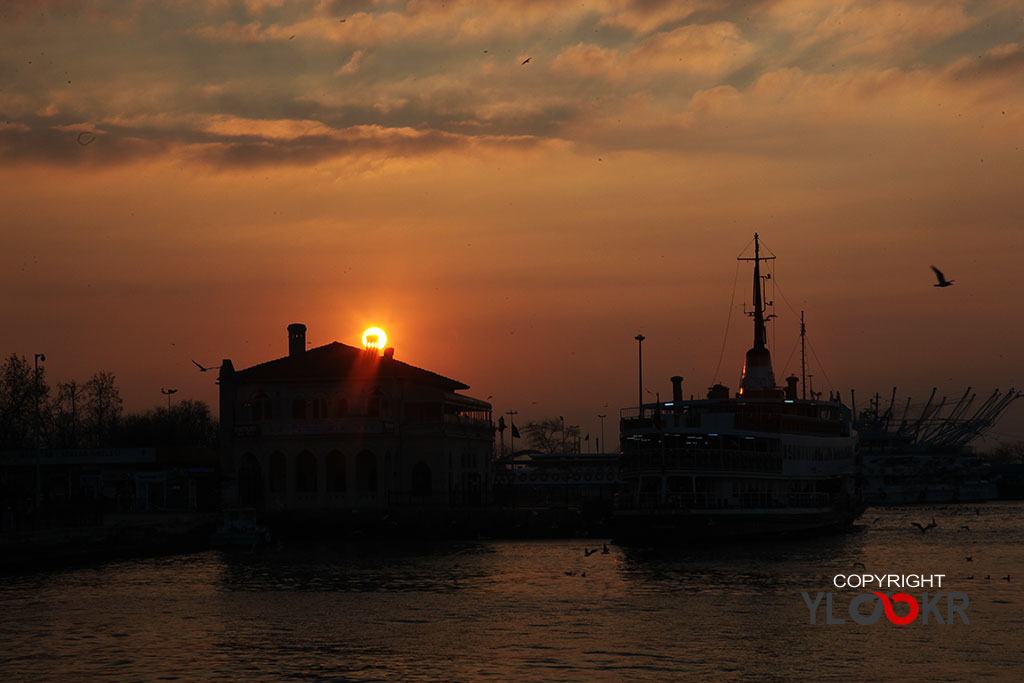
{"x": 923, "y": 455}
{"x": 763, "y": 461}
{"x": 339, "y": 428}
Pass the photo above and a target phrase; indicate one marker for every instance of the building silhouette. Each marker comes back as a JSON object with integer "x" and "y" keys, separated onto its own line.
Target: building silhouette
{"x": 337, "y": 429}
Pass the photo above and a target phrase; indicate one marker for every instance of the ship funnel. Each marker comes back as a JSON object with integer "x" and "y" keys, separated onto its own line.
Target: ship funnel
{"x": 790, "y": 389}
{"x": 677, "y": 394}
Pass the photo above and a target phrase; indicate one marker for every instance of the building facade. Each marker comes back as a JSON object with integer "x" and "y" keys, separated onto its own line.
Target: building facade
{"x": 342, "y": 428}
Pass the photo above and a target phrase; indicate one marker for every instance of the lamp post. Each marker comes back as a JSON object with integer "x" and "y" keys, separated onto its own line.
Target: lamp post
{"x": 39, "y": 469}
{"x": 640, "y": 372}
{"x": 512, "y": 430}
{"x": 602, "y": 432}
{"x": 167, "y": 393}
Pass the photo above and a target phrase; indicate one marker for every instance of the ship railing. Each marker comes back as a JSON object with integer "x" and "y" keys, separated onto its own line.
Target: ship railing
{"x": 703, "y": 459}
{"x": 710, "y": 501}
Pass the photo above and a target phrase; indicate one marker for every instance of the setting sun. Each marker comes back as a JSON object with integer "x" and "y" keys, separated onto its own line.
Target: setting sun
{"x": 375, "y": 338}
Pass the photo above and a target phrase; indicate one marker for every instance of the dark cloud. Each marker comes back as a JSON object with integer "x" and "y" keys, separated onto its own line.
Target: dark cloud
{"x": 313, "y": 149}
{"x": 54, "y": 146}
{"x": 1000, "y": 63}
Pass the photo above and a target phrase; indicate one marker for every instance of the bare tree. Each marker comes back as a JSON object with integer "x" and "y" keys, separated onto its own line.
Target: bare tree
{"x": 102, "y": 407}
{"x": 551, "y": 435}
{"x": 18, "y": 402}
{"x": 67, "y": 414}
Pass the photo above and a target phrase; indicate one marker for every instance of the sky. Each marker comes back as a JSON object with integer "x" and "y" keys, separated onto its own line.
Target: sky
{"x": 515, "y": 189}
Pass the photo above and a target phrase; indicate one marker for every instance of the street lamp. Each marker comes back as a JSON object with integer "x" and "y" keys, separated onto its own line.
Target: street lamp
{"x": 39, "y": 445}
{"x": 167, "y": 393}
{"x": 640, "y": 372}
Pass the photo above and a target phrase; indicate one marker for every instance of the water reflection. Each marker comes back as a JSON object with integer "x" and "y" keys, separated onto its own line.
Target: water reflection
{"x": 543, "y": 610}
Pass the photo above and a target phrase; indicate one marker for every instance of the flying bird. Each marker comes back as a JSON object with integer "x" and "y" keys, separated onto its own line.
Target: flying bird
{"x": 943, "y": 282}
{"x": 526, "y": 60}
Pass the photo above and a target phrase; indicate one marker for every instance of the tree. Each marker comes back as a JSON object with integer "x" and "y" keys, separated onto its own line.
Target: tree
{"x": 102, "y": 408}
{"x": 552, "y": 436}
{"x": 66, "y": 414}
{"x": 187, "y": 424}
{"x": 18, "y": 402}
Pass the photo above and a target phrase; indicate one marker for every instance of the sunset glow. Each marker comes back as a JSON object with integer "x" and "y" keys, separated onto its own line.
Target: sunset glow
{"x": 248, "y": 164}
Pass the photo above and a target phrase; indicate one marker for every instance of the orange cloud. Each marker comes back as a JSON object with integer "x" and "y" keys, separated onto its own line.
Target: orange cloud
{"x": 708, "y": 51}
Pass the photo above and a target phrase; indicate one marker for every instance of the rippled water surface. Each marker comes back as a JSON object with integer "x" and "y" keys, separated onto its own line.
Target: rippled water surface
{"x": 526, "y": 610}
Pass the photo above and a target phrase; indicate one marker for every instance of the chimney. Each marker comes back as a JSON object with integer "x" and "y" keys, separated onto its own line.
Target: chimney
{"x": 791, "y": 387}
{"x": 296, "y": 339}
{"x": 677, "y": 393}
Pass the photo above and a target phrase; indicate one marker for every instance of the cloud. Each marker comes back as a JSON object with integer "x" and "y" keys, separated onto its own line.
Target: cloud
{"x": 707, "y": 51}
{"x": 356, "y": 141}
{"x": 352, "y": 65}
{"x": 644, "y": 17}
{"x": 20, "y": 143}
{"x": 877, "y": 29}
{"x": 1002, "y": 62}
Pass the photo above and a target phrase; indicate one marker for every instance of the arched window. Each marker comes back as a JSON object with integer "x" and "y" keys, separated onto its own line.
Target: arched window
{"x": 319, "y": 408}
{"x": 373, "y": 404}
{"x": 336, "y": 472}
{"x": 305, "y": 473}
{"x": 340, "y": 406}
{"x": 299, "y": 408}
{"x": 278, "y": 472}
{"x": 421, "y": 480}
{"x": 261, "y": 408}
{"x": 366, "y": 472}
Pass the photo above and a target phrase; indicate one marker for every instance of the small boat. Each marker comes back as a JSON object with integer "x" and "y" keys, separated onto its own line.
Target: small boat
{"x": 762, "y": 461}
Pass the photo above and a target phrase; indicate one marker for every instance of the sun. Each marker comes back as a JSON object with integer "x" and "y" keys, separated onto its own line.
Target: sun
{"x": 375, "y": 338}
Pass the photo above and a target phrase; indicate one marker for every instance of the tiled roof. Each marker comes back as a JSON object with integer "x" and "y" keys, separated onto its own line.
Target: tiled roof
{"x": 338, "y": 361}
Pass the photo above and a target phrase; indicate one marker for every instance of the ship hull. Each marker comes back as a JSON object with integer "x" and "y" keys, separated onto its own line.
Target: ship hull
{"x": 674, "y": 526}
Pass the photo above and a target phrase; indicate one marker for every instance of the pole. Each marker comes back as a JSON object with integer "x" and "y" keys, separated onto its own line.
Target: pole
{"x": 512, "y": 430}
{"x": 602, "y": 430}
{"x": 640, "y": 372}
{"x": 39, "y": 445}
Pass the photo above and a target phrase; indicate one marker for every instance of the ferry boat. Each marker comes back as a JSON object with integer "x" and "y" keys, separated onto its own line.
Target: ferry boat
{"x": 761, "y": 461}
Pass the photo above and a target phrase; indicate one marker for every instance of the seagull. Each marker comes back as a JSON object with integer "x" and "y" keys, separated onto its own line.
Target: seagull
{"x": 925, "y": 528}
{"x": 526, "y": 60}
{"x": 204, "y": 369}
{"x": 859, "y": 564}
{"x": 965, "y": 527}
{"x": 943, "y": 282}
{"x": 969, "y": 558}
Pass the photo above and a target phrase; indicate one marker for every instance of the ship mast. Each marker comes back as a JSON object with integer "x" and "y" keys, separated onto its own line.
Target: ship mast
{"x": 758, "y": 378}
{"x": 803, "y": 357}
